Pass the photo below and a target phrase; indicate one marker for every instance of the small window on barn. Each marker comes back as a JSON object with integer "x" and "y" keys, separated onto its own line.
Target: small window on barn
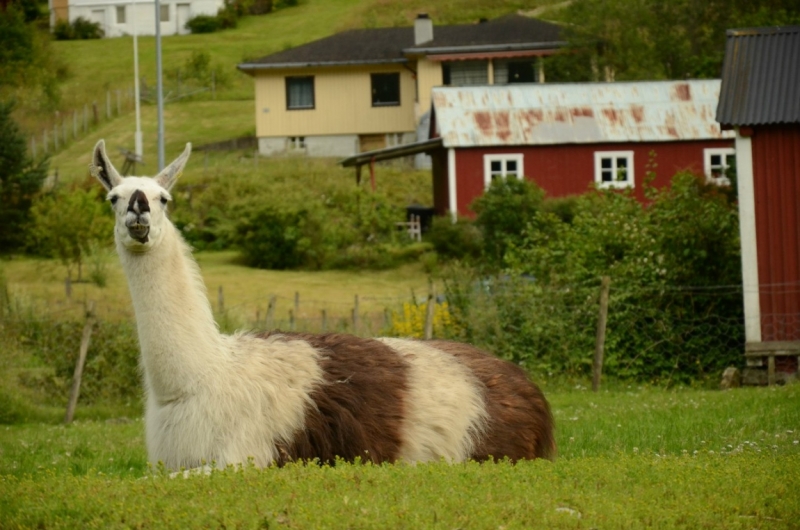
{"x": 296, "y": 143}
{"x": 501, "y": 167}
{"x": 385, "y": 90}
{"x": 613, "y": 169}
{"x": 164, "y": 12}
{"x": 121, "y": 14}
{"x": 719, "y": 165}
{"x": 300, "y": 92}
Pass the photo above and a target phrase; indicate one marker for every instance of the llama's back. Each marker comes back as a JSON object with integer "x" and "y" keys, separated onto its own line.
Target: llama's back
{"x": 395, "y": 399}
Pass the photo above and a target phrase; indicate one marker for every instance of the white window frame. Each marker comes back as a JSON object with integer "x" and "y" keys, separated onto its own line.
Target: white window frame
{"x": 519, "y": 158}
{"x": 613, "y": 155}
{"x": 707, "y": 167}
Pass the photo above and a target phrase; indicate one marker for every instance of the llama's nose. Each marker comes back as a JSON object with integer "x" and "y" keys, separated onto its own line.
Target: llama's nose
{"x": 138, "y": 203}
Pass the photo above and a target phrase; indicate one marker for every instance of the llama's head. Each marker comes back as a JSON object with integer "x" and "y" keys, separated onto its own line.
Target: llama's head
{"x": 140, "y": 203}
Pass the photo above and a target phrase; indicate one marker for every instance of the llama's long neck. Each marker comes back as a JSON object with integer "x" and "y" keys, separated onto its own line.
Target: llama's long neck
{"x": 179, "y": 339}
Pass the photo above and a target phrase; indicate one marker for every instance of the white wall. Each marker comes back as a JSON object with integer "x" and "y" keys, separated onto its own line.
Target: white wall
{"x": 145, "y": 15}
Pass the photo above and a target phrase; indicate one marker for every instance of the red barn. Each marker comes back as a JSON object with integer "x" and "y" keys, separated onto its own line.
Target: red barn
{"x": 760, "y": 100}
{"x": 571, "y": 137}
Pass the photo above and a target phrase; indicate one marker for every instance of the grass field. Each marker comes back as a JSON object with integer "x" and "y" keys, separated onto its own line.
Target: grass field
{"x": 629, "y": 458}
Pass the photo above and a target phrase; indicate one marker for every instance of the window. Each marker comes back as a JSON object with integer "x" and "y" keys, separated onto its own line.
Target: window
{"x": 719, "y": 164}
{"x": 297, "y": 143}
{"x": 120, "y": 14}
{"x": 465, "y": 73}
{"x": 164, "y": 12}
{"x": 385, "y": 90}
{"x": 613, "y": 169}
{"x": 300, "y": 92}
{"x": 501, "y": 167}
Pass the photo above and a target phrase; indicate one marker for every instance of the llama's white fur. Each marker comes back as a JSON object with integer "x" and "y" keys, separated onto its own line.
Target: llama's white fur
{"x": 228, "y": 399}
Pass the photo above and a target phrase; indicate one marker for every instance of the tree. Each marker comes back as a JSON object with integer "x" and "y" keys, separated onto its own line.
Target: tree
{"x": 20, "y": 181}
{"x": 71, "y": 225}
{"x": 653, "y": 39}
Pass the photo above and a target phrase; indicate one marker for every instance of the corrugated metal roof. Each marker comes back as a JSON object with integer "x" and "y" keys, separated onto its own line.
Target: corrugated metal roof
{"x": 761, "y": 77}
{"x": 577, "y": 113}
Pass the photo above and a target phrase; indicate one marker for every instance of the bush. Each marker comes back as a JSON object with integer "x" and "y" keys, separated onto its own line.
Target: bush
{"x": 667, "y": 321}
{"x": 79, "y": 29}
{"x": 460, "y": 240}
{"x": 203, "y": 24}
{"x": 270, "y": 239}
{"x": 503, "y": 211}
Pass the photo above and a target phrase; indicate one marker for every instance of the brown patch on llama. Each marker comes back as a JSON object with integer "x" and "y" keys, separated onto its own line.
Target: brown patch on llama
{"x": 520, "y": 423}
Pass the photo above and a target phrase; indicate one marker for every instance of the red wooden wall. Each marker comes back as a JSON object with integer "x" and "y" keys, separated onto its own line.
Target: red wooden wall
{"x": 776, "y": 176}
{"x": 569, "y": 169}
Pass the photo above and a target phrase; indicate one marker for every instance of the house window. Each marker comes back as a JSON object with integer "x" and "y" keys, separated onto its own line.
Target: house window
{"x": 508, "y": 72}
{"x": 385, "y": 90}
{"x": 300, "y": 92}
{"x": 718, "y": 164}
{"x": 501, "y": 167}
{"x": 465, "y": 73}
{"x": 613, "y": 169}
{"x": 297, "y": 143}
{"x": 164, "y": 12}
{"x": 121, "y": 14}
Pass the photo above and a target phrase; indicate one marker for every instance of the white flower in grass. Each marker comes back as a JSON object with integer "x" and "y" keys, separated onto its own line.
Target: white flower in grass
{"x": 796, "y": 442}
{"x": 635, "y": 449}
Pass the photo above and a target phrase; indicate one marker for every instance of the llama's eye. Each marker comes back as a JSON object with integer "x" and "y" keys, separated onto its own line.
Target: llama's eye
{"x": 163, "y": 200}
{"x": 113, "y": 200}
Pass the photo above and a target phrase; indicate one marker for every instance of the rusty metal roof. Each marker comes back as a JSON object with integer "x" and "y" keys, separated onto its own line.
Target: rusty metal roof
{"x": 577, "y": 113}
{"x": 761, "y": 77}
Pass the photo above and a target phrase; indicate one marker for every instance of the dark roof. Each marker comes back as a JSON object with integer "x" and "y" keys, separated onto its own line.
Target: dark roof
{"x": 387, "y": 45}
{"x": 508, "y": 31}
{"x": 357, "y": 46}
{"x": 761, "y": 77}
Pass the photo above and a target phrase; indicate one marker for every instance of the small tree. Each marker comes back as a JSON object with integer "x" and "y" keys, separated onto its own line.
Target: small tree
{"x": 70, "y": 226}
{"x": 20, "y": 180}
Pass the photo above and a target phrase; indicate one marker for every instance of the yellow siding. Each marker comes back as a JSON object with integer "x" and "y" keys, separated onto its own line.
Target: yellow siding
{"x": 342, "y": 103}
{"x": 429, "y": 75}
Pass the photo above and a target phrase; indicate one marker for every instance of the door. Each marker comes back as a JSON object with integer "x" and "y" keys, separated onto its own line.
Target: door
{"x": 183, "y": 13}
{"x": 99, "y": 16}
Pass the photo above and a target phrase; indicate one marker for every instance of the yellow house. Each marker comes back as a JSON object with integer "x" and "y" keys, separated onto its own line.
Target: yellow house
{"x": 367, "y": 89}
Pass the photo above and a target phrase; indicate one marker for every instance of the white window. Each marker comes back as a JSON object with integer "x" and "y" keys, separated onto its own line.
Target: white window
{"x": 297, "y": 143}
{"x": 164, "y": 12}
{"x": 121, "y": 14}
{"x": 502, "y": 167}
{"x": 717, "y": 162}
{"x": 613, "y": 169}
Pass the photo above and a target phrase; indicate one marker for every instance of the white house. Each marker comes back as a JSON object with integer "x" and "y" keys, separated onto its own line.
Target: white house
{"x": 120, "y": 17}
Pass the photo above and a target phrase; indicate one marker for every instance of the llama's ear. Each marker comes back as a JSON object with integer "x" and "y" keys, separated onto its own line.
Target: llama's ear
{"x": 101, "y": 167}
{"x": 170, "y": 174}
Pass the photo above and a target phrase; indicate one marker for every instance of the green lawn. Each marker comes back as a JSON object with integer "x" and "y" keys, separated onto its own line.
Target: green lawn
{"x": 629, "y": 458}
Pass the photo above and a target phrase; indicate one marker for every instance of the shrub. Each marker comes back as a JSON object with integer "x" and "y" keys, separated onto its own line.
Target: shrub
{"x": 203, "y": 24}
{"x": 503, "y": 211}
{"x": 667, "y": 319}
{"x": 460, "y": 240}
{"x": 78, "y": 29}
{"x": 270, "y": 239}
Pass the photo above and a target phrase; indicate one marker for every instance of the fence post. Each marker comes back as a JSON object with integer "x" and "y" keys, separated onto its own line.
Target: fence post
{"x": 355, "y": 316}
{"x": 68, "y": 287}
{"x": 74, "y": 124}
{"x": 55, "y": 138}
{"x": 118, "y": 107}
{"x": 95, "y": 114}
{"x": 108, "y": 104}
{"x": 269, "y": 319}
{"x": 597, "y": 365}
{"x": 221, "y": 300}
{"x": 324, "y": 320}
{"x": 64, "y": 130}
{"x": 297, "y": 303}
{"x": 76, "y": 377}
{"x": 85, "y": 118}
{"x": 291, "y": 320}
{"x": 429, "y": 311}
{"x": 213, "y": 84}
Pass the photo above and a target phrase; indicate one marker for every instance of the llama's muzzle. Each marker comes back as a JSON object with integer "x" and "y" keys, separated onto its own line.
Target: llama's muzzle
{"x": 137, "y": 219}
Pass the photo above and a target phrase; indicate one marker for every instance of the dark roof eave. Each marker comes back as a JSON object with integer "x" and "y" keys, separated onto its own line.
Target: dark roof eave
{"x": 389, "y": 153}
{"x": 433, "y": 50}
{"x": 307, "y": 64}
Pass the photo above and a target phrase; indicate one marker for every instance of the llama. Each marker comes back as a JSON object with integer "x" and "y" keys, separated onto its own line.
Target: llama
{"x": 277, "y": 397}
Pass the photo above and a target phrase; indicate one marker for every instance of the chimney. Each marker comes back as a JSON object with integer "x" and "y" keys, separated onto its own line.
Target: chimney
{"x": 423, "y": 29}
